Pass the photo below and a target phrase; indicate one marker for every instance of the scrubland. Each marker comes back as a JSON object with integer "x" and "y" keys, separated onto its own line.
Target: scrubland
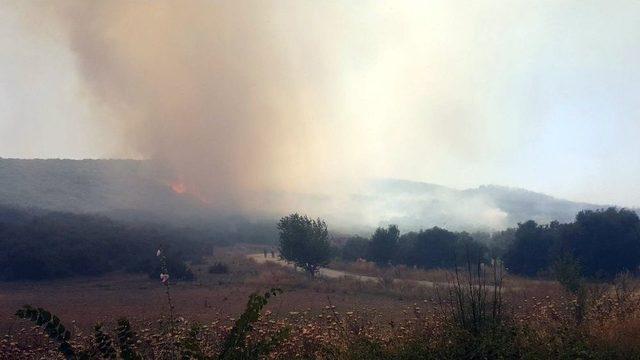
{"x": 463, "y": 316}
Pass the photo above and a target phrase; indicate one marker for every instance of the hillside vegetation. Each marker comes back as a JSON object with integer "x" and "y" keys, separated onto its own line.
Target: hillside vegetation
{"x": 38, "y": 244}
{"x": 141, "y": 189}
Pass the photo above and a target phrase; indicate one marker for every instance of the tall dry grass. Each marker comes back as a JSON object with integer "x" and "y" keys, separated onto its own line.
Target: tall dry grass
{"x": 535, "y": 322}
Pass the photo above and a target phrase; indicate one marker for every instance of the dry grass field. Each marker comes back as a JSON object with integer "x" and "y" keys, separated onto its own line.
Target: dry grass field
{"x": 327, "y": 318}
{"x": 84, "y": 301}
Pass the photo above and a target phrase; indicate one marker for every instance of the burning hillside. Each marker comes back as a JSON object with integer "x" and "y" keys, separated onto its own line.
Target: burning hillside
{"x": 180, "y": 187}
{"x": 109, "y": 186}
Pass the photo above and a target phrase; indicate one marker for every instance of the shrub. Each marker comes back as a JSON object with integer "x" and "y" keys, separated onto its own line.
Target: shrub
{"x": 103, "y": 342}
{"x": 235, "y": 346}
{"x": 219, "y": 268}
{"x": 52, "y": 327}
{"x": 568, "y": 273}
{"x": 178, "y": 269}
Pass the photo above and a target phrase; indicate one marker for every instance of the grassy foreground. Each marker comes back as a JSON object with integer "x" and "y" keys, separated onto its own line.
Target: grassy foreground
{"x": 476, "y": 316}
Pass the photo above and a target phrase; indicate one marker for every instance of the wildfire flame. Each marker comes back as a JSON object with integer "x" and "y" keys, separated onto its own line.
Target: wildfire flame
{"x": 179, "y": 187}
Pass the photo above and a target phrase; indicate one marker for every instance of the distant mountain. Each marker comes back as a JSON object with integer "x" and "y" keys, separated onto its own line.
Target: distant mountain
{"x": 416, "y": 205}
{"x": 140, "y": 189}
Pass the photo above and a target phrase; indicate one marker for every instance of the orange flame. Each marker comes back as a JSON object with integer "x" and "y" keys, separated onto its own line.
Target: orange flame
{"x": 179, "y": 187}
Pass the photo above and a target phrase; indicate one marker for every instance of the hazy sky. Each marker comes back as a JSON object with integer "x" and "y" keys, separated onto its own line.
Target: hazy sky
{"x": 543, "y": 95}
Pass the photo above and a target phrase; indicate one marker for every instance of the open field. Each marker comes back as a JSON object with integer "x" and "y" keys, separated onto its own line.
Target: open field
{"x": 434, "y": 279}
{"x": 210, "y": 297}
{"x": 213, "y": 296}
{"x": 321, "y": 313}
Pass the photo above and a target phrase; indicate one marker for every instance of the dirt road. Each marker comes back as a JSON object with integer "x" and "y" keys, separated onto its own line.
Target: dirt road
{"x": 337, "y": 274}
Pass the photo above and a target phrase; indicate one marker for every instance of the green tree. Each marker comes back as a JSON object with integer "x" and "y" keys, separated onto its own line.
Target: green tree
{"x": 468, "y": 249}
{"x": 384, "y": 244}
{"x": 435, "y": 248}
{"x": 605, "y": 242}
{"x": 500, "y": 241}
{"x": 355, "y": 248}
{"x": 533, "y": 248}
{"x": 405, "y": 253}
{"x": 305, "y": 242}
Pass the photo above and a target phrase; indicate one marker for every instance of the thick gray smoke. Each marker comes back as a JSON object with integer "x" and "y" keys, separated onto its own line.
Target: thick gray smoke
{"x": 237, "y": 97}
{"x": 201, "y": 87}
{"x": 303, "y": 100}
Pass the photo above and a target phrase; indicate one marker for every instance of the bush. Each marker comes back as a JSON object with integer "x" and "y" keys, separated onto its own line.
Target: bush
{"x": 176, "y": 267}
{"x": 219, "y": 268}
{"x": 189, "y": 343}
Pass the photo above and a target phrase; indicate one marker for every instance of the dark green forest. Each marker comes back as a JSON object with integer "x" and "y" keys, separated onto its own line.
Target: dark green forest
{"x": 602, "y": 243}
{"x": 37, "y": 244}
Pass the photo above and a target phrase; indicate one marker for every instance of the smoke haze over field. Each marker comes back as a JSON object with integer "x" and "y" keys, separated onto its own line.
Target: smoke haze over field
{"x": 238, "y": 98}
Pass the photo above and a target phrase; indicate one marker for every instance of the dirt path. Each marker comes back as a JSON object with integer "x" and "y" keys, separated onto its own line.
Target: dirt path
{"x": 338, "y": 274}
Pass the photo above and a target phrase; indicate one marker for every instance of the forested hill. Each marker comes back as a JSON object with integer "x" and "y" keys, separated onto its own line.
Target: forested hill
{"x": 415, "y": 205}
{"x": 132, "y": 188}
{"x": 94, "y": 186}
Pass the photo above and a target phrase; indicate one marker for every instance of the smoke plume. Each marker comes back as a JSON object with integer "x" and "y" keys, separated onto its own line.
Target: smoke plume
{"x": 302, "y": 100}
{"x": 202, "y": 87}
{"x": 241, "y": 98}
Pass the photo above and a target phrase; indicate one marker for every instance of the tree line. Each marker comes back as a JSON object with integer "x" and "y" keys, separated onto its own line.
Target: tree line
{"x": 38, "y": 245}
{"x": 432, "y": 248}
{"x": 601, "y": 243}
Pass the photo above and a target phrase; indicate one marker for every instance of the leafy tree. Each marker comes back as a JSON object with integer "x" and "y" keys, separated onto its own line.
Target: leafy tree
{"x": 469, "y": 250}
{"x": 355, "y": 248}
{"x": 405, "y": 253}
{"x": 305, "y": 242}
{"x": 435, "y": 248}
{"x": 532, "y": 250}
{"x": 500, "y": 241}
{"x": 605, "y": 242}
{"x": 384, "y": 243}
